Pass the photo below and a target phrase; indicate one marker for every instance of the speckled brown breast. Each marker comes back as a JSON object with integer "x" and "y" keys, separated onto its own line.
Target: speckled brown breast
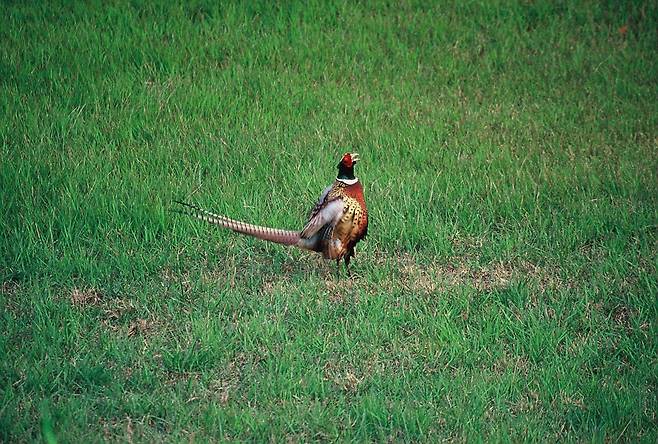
{"x": 353, "y": 225}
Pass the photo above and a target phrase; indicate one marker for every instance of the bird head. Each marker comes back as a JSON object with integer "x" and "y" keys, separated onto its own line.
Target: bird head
{"x": 349, "y": 160}
{"x": 346, "y": 166}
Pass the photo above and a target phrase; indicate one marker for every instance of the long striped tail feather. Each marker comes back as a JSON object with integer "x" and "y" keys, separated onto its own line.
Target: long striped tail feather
{"x": 285, "y": 237}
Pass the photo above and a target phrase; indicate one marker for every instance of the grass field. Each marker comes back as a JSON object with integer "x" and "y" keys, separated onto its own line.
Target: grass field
{"x": 508, "y": 286}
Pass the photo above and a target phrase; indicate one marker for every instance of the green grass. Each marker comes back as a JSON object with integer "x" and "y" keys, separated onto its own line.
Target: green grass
{"x": 507, "y": 289}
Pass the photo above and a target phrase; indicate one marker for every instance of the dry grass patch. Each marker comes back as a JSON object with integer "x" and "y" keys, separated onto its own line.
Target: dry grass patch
{"x": 85, "y": 297}
{"x": 458, "y": 271}
{"x": 344, "y": 379}
{"x": 9, "y": 288}
{"x": 9, "y": 292}
{"x": 140, "y": 327}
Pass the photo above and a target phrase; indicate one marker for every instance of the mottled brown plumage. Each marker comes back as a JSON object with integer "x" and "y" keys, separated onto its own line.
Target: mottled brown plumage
{"x": 337, "y": 222}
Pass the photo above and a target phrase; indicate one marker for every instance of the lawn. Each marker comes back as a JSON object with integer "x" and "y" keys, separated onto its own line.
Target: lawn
{"x": 508, "y": 287}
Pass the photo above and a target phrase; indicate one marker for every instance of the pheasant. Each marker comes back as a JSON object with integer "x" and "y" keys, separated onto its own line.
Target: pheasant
{"x": 337, "y": 222}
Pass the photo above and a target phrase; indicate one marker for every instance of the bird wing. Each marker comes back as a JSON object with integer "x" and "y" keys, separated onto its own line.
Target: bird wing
{"x": 319, "y": 203}
{"x": 327, "y": 213}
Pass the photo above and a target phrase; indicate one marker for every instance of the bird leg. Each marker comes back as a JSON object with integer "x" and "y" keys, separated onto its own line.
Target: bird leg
{"x": 348, "y": 257}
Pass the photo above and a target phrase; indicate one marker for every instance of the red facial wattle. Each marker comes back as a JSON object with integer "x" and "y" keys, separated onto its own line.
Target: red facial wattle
{"x": 347, "y": 160}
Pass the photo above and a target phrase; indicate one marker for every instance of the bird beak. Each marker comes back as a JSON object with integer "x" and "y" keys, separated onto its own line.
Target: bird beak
{"x": 355, "y": 157}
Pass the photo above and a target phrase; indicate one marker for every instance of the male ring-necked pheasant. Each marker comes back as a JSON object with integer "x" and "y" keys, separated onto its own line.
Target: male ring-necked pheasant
{"x": 337, "y": 222}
